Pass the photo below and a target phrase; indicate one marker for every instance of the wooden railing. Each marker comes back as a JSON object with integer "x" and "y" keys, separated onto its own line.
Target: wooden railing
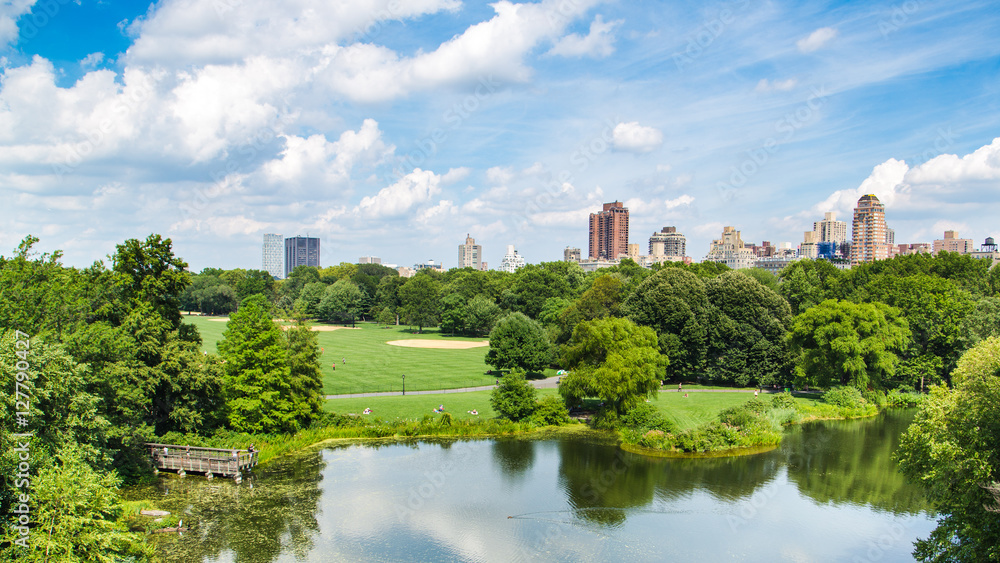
{"x": 226, "y": 462}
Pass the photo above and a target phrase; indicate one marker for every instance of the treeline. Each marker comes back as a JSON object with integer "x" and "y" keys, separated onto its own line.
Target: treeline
{"x": 95, "y": 362}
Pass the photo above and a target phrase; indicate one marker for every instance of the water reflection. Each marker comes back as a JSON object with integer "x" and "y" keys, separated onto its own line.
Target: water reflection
{"x": 559, "y": 500}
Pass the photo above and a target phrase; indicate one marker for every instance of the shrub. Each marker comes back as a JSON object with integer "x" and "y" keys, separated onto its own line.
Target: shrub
{"x": 550, "y": 411}
{"x": 875, "y": 397}
{"x": 845, "y": 397}
{"x": 514, "y": 398}
{"x": 645, "y": 417}
{"x": 783, "y": 401}
{"x": 445, "y": 419}
{"x": 755, "y": 405}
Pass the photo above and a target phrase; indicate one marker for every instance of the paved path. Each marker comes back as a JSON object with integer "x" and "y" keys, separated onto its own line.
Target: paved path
{"x": 548, "y": 383}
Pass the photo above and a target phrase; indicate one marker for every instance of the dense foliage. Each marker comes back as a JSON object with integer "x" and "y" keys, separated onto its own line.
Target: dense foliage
{"x": 953, "y": 449}
{"x": 514, "y": 397}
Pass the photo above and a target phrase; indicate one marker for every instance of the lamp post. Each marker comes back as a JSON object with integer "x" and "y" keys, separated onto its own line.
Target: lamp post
{"x": 404, "y": 384}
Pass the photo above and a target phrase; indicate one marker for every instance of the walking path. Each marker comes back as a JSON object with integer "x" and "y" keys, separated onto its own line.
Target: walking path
{"x": 548, "y": 383}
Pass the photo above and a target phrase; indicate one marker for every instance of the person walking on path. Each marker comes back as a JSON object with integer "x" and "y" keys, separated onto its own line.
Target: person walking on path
{"x": 345, "y": 361}
{"x": 679, "y": 387}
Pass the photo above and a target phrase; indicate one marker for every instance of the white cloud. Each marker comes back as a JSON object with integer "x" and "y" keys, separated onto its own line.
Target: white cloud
{"x": 10, "y": 11}
{"x": 323, "y": 161}
{"x": 436, "y": 215}
{"x": 92, "y": 60}
{"x": 885, "y": 182}
{"x": 410, "y": 191}
{"x": 499, "y": 175}
{"x": 816, "y": 39}
{"x": 455, "y": 175}
{"x": 982, "y": 164}
{"x": 636, "y": 138}
{"x": 778, "y": 85}
{"x": 599, "y": 43}
{"x": 571, "y": 218}
{"x": 677, "y": 202}
{"x": 221, "y": 226}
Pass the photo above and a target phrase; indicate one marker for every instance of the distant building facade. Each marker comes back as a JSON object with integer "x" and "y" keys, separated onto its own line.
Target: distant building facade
{"x": 830, "y": 229}
{"x": 609, "y": 232}
{"x": 470, "y": 254}
{"x": 301, "y": 251}
{"x": 869, "y": 232}
{"x": 429, "y": 265}
{"x": 369, "y": 260}
{"x": 571, "y": 254}
{"x": 951, "y": 243}
{"x": 667, "y": 244}
{"x": 511, "y": 261}
{"x": 272, "y": 260}
{"x": 988, "y": 251}
{"x": 731, "y": 251}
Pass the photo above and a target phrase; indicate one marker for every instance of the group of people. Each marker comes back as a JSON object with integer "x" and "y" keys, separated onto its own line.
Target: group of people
{"x": 367, "y": 411}
{"x": 440, "y": 409}
{"x": 474, "y": 411}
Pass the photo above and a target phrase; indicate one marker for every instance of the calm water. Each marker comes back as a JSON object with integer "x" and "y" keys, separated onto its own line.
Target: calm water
{"x": 829, "y": 493}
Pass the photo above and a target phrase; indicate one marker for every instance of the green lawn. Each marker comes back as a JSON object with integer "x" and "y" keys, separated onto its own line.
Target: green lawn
{"x": 374, "y": 366}
{"x": 414, "y": 407}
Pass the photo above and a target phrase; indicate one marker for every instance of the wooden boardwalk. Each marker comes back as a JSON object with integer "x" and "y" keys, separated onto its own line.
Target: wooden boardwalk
{"x": 210, "y": 462}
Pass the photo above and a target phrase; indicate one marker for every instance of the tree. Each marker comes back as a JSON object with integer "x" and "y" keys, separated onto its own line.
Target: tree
{"x": 309, "y": 298}
{"x": 953, "y": 450}
{"x": 746, "y": 331}
{"x": 419, "y": 299}
{"x": 75, "y": 508}
{"x": 802, "y": 289}
{"x": 342, "y": 302}
{"x": 514, "y": 397}
{"x": 675, "y": 304}
{"x": 839, "y": 342}
{"x": 615, "y": 360}
{"x": 305, "y": 379}
{"x": 256, "y": 371}
{"x": 481, "y": 315}
{"x": 153, "y": 274}
{"x": 519, "y": 342}
{"x": 454, "y": 314}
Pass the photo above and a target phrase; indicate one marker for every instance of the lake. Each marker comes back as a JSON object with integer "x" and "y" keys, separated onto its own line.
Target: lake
{"x": 830, "y": 492}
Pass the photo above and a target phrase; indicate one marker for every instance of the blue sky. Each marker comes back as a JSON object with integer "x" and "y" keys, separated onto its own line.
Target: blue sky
{"x": 394, "y": 128}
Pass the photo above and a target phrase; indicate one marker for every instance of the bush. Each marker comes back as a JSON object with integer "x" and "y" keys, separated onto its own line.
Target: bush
{"x": 783, "y": 401}
{"x": 446, "y": 419}
{"x": 645, "y": 417}
{"x": 845, "y": 397}
{"x": 875, "y": 397}
{"x": 550, "y": 411}
{"x": 514, "y": 398}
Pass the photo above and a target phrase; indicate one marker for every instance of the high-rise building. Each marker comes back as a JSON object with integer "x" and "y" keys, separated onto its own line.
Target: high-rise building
{"x": 511, "y": 261}
{"x": 951, "y": 243}
{"x": 869, "y": 231}
{"x": 609, "y": 232}
{"x": 571, "y": 254}
{"x": 730, "y": 250}
{"x": 667, "y": 243}
{"x": 271, "y": 261}
{"x": 301, "y": 251}
{"x": 829, "y": 229}
{"x": 470, "y": 254}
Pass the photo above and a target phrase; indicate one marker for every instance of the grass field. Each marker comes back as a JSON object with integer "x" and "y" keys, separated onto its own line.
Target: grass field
{"x": 374, "y": 366}
{"x": 414, "y": 407}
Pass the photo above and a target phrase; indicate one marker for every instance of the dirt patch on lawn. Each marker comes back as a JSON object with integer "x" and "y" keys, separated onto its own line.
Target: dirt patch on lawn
{"x": 324, "y": 328}
{"x": 439, "y": 344}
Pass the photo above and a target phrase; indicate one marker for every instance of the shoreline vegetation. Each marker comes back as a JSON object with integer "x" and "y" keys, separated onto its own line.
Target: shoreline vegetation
{"x": 752, "y": 427}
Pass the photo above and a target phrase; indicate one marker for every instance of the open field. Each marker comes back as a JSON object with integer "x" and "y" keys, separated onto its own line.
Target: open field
{"x": 414, "y": 407}
{"x": 375, "y": 366}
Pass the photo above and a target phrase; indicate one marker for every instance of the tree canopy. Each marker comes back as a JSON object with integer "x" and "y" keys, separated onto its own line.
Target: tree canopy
{"x": 519, "y": 342}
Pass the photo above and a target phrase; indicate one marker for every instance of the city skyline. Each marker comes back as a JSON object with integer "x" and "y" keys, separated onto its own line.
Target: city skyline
{"x": 391, "y": 129}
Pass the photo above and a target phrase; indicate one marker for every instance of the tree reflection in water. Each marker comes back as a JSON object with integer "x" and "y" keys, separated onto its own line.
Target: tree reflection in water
{"x": 269, "y": 513}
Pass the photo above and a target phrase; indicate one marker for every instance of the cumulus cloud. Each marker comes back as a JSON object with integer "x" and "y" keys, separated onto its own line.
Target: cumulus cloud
{"x": 455, "y": 175}
{"x": 816, "y": 39}
{"x": 599, "y": 43}
{"x": 679, "y": 201}
{"x": 315, "y": 157}
{"x": 778, "y": 85}
{"x": 411, "y": 190}
{"x": 633, "y": 137}
{"x": 220, "y": 226}
{"x": 92, "y": 60}
{"x": 10, "y": 11}
{"x": 885, "y": 182}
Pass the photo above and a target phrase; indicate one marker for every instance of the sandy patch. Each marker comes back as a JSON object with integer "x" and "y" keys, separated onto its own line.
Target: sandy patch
{"x": 439, "y": 344}
{"x": 324, "y": 328}
{"x": 219, "y": 320}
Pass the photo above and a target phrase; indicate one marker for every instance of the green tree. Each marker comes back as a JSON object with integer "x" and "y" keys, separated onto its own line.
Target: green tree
{"x": 305, "y": 379}
{"x": 309, "y": 298}
{"x": 481, "y": 315}
{"x": 454, "y": 314}
{"x": 342, "y": 302}
{"x": 514, "y": 397}
{"x": 953, "y": 450}
{"x": 802, "y": 288}
{"x": 519, "y": 342}
{"x": 75, "y": 509}
{"x": 839, "y": 342}
{"x": 256, "y": 371}
{"x": 152, "y": 274}
{"x": 615, "y": 360}
{"x": 419, "y": 300}
{"x": 674, "y": 302}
